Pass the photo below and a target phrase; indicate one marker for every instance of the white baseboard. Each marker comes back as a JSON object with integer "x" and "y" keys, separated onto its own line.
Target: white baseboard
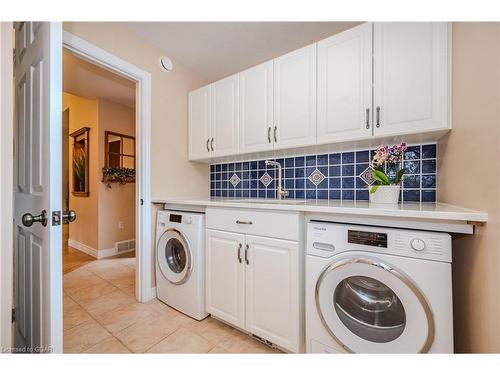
{"x": 98, "y": 254}
{"x": 153, "y": 292}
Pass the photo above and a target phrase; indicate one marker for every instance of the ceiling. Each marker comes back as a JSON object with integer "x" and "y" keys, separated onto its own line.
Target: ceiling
{"x": 219, "y": 49}
{"x": 91, "y": 81}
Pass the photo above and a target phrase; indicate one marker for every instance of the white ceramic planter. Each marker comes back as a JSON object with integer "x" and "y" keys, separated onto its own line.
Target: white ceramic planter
{"x": 386, "y": 194}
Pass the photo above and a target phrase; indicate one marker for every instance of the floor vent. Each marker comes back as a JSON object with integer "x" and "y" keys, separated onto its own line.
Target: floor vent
{"x": 125, "y": 246}
{"x": 264, "y": 341}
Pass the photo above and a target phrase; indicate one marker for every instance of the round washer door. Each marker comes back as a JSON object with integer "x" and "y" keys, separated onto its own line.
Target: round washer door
{"x": 370, "y": 307}
{"x": 174, "y": 256}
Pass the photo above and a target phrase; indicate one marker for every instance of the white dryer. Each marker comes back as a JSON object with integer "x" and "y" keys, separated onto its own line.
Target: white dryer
{"x": 377, "y": 290}
{"x": 180, "y": 261}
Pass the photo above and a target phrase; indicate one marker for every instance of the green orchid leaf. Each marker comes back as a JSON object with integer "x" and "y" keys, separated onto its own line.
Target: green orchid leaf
{"x": 381, "y": 177}
{"x": 374, "y": 188}
{"x": 399, "y": 175}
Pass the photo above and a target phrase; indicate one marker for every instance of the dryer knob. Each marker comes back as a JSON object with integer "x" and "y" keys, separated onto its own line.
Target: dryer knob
{"x": 417, "y": 244}
{"x": 189, "y": 220}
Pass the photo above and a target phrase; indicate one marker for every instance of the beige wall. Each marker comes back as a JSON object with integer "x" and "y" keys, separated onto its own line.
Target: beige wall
{"x": 171, "y": 172}
{"x": 115, "y": 203}
{"x": 469, "y": 166}
{"x": 84, "y": 112}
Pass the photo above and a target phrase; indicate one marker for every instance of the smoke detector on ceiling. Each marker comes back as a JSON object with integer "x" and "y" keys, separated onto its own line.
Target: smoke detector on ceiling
{"x": 166, "y": 64}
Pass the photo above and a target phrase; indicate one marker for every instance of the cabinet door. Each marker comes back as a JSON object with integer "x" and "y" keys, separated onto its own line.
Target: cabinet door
{"x": 199, "y": 123}
{"x": 225, "y": 290}
{"x": 272, "y": 291}
{"x": 225, "y": 116}
{"x": 256, "y": 108}
{"x": 345, "y": 85}
{"x": 411, "y": 77}
{"x": 295, "y": 98}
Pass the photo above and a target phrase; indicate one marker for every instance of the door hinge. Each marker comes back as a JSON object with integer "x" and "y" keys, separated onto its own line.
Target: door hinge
{"x": 142, "y": 202}
{"x": 13, "y": 315}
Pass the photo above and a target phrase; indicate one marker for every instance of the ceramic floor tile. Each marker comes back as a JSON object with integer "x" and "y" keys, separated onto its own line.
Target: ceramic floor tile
{"x": 73, "y": 315}
{"x": 107, "y": 303}
{"x": 124, "y": 316}
{"x": 218, "y": 350}
{"x": 108, "y": 346}
{"x": 147, "y": 332}
{"x": 74, "y": 283}
{"x": 212, "y": 330}
{"x": 159, "y": 306}
{"x": 92, "y": 292}
{"x": 183, "y": 341}
{"x": 84, "y": 336}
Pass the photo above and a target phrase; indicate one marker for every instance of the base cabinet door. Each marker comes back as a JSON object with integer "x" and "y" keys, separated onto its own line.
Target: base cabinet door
{"x": 225, "y": 270}
{"x": 272, "y": 291}
{"x": 411, "y": 77}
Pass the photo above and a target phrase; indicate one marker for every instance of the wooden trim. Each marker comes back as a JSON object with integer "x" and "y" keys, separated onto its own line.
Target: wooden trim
{"x": 121, "y": 153}
{"x": 98, "y": 56}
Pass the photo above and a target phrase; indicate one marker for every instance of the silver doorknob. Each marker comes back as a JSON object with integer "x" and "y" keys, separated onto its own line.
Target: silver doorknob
{"x": 69, "y": 216}
{"x": 28, "y": 219}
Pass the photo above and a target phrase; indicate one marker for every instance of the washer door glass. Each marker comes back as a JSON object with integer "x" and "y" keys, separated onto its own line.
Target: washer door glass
{"x": 173, "y": 256}
{"x": 368, "y": 306}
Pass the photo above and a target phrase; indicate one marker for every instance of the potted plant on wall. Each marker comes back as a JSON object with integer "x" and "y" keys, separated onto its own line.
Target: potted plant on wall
{"x": 387, "y": 173}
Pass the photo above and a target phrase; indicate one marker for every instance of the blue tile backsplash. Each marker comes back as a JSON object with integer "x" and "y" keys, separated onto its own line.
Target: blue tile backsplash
{"x": 325, "y": 176}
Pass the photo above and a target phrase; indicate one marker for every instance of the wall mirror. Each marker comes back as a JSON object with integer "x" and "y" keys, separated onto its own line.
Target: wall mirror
{"x": 119, "y": 158}
{"x": 80, "y": 162}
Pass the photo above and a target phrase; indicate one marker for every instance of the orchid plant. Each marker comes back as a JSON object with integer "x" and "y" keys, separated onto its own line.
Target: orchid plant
{"x": 385, "y": 159}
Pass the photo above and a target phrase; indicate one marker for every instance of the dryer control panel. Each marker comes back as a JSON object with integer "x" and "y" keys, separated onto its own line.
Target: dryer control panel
{"x": 325, "y": 239}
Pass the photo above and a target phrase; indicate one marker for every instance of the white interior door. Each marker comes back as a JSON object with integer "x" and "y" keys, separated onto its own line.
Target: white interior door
{"x": 256, "y": 108}
{"x": 411, "y": 77}
{"x": 345, "y": 85}
{"x": 38, "y": 253}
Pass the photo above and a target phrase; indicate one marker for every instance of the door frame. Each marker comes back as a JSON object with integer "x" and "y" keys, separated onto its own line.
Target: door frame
{"x": 98, "y": 56}
{"x": 6, "y": 183}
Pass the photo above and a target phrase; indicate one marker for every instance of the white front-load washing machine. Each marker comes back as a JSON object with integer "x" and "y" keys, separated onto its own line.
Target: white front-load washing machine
{"x": 377, "y": 290}
{"x": 180, "y": 261}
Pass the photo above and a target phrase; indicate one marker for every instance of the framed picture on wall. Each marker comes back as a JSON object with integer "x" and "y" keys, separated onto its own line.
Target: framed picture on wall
{"x": 80, "y": 162}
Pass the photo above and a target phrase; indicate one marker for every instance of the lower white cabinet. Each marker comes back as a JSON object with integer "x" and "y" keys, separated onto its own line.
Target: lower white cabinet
{"x": 225, "y": 277}
{"x": 272, "y": 281}
{"x": 253, "y": 282}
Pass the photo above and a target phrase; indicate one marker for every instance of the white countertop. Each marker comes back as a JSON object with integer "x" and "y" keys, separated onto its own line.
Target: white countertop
{"x": 429, "y": 211}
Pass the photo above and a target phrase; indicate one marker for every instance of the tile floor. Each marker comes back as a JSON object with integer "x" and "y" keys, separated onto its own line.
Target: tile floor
{"x": 101, "y": 315}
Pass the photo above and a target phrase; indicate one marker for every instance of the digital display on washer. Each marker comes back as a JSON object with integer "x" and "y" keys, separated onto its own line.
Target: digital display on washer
{"x": 367, "y": 238}
{"x": 175, "y": 218}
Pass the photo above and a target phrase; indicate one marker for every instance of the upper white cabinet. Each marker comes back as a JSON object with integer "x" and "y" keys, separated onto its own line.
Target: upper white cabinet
{"x": 200, "y": 123}
{"x": 295, "y": 98}
{"x": 375, "y": 80}
{"x": 411, "y": 77}
{"x": 256, "y": 108}
{"x": 225, "y": 116}
{"x": 345, "y": 85}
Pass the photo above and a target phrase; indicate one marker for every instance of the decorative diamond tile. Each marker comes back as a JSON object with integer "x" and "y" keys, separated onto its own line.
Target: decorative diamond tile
{"x": 367, "y": 176}
{"x": 316, "y": 177}
{"x": 234, "y": 180}
{"x": 266, "y": 179}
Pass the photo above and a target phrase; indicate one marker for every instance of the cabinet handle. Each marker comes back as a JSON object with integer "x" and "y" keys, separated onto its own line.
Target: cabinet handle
{"x": 378, "y": 117}
{"x": 244, "y": 222}
{"x": 368, "y": 118}
{"x": 269, "y": 134}
{"x": 275, "y": 134}
{"x": 239, "y": 253}
{"x": 212, "y": 144}
{"x": 208, "y": 147}
{"x": 246, "y": 254}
